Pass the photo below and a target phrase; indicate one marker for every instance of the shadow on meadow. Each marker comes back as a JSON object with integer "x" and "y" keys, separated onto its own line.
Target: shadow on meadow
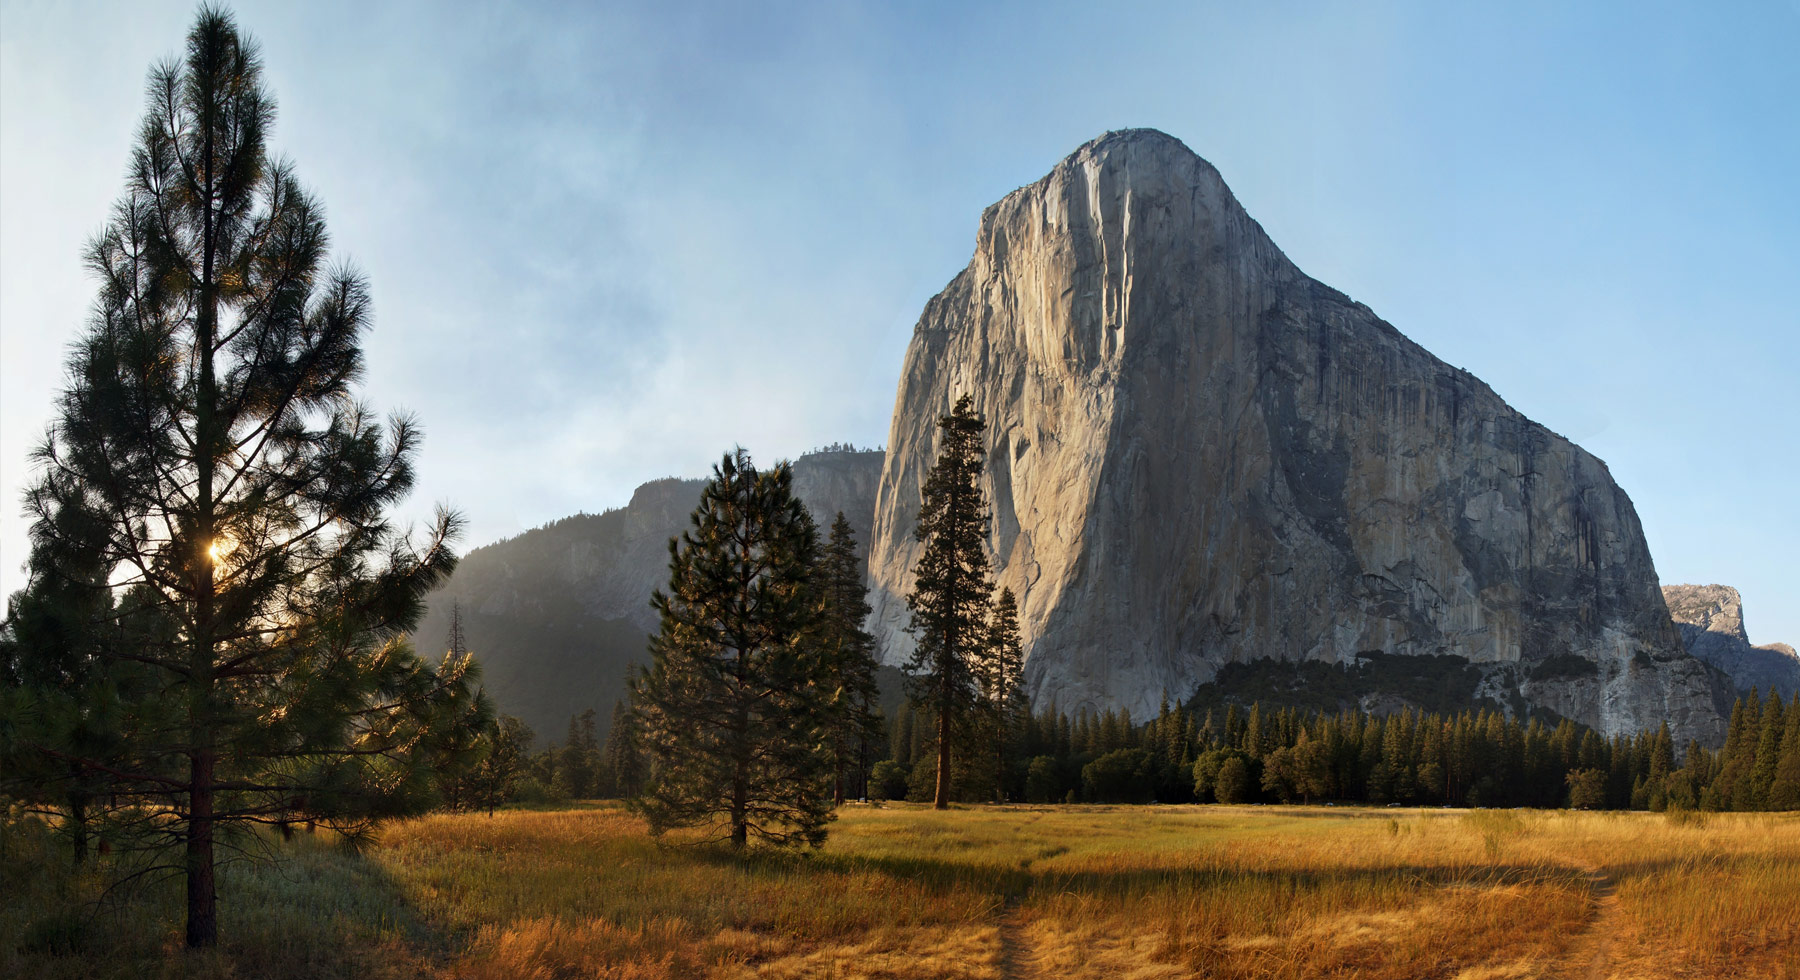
{"x": 1008, "y": 885}
{"x": 558, "y": 893}
{"x": 306, "y": 908}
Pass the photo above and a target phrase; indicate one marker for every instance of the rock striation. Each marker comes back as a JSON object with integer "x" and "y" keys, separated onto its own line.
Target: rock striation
{"x": 1202, "y": 456}
{"x": 1711, "y": 620}
{"x": 557, "y": 614}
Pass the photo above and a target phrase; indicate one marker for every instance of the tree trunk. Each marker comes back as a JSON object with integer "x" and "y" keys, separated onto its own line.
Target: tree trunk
{"x": 1000, "y": 770}
{"x": 202, "y": 897}
{"x": 740, "y": 752}
{"x": 202, "y": 913}
{"x": 740, "y": 824}
{"x": 78, "y": 827}
{"x": 942, "y": 799}
{"x": 837, "y": 775}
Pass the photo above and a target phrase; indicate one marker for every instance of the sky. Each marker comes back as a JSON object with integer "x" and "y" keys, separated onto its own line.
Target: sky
{"x": 607, "y": 242}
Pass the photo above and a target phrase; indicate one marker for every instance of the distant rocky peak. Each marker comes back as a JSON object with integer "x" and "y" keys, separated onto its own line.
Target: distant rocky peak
{"x": 1714, "y": 608}
{"x": 1711, "y": 620}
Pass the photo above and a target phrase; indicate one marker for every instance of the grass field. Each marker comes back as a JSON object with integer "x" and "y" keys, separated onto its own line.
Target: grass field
{"x": 906, "y": 892}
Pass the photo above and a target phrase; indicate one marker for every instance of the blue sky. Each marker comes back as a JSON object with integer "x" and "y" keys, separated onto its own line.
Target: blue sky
{"x": 607, "y": 243}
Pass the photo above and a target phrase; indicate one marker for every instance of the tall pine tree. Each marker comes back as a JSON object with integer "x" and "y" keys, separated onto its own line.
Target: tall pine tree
{"x": 1002, "y": 676}
{"x": 951, "y": 589}
{"x": 211, "y": 469}
{"x": 619, "y": 760}
{"x": 855, "y": 725}
{"x": 735, "y": 709}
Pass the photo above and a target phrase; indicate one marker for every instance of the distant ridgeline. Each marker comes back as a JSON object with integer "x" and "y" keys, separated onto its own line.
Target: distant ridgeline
{"x": 556, "y": 615}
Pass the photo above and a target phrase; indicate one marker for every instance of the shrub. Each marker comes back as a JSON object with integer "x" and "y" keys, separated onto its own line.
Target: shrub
{"x": 1042, "y": 780}
{"x": 1206, "y": 773}
{"x": 1122, "y": 776}
{"x": 1587, "y": 789}
{"x": 887, "y": 781}
{"x": 1233, "y": 782}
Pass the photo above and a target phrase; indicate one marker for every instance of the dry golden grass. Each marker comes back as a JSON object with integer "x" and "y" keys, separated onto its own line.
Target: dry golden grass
{"x": 905, "y": 892}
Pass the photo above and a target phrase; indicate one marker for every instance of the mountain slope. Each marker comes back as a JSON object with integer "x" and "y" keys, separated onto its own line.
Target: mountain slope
{"x": 557, "y": 614}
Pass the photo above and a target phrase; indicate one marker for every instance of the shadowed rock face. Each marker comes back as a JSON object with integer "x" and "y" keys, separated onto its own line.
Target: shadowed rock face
{"x": 1200, "y": 455}
{"x": 1711, "y": 620}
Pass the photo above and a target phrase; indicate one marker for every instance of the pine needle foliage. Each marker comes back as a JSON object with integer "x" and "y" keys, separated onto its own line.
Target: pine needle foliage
{"x": 735, "y": 708}
{"x": 951, "y": 590}
{"x": 856, "y": 727}
{"x": 1002, "y": 675}
{"x": 212, "y": 479}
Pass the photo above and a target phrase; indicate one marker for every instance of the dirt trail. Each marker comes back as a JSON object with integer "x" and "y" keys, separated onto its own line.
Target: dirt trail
{"x": 1016, "y": 961}
{"x": 1589, "y": 958}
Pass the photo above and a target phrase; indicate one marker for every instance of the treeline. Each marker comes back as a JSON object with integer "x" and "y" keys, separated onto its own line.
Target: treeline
{"x": 844, "y": 447}
{"x": 580, "y": 767}
{"x": 1290, "y": 756}
{"x": 1473, "y": 758}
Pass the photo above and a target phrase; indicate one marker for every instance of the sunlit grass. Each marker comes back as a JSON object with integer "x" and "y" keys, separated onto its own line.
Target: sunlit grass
{"x": 981, "y": 892}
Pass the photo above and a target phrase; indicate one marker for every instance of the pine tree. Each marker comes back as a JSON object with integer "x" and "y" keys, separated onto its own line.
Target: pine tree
{"x": 1784, "y": 790}
{"x": 58, "y": 690}
{"x": 578, "y": 761}
{"x": 735, "y": 709}
{"x": 855, "y": 727}
{"x": 900, "y": 735}
{"x": 1730, "y": 787}
{"x": 1001, "y": 674}
{"x": 620, "y": 756}
{"x": 1772, "y": 726}
{"x": 492, "y": 780}
{"x": 949, "y": 600}
{"x": 211, "y": 460}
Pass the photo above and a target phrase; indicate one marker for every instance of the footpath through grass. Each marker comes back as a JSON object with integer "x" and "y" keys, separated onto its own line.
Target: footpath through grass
{"x": 981, "y": 892}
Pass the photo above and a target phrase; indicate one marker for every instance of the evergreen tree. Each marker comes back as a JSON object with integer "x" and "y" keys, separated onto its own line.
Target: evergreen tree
{"x": 1002, "y": 676}
{"x": 620, "y": 757}
{"x": 578, "y": 761}
{"x": 57, "y": 690}
{"x": 212, "y": 471}
{"x": 1730, "y": 787}
{"x": 735, "y": 710}
{"x": 493, "y": 779}
{"x": 1768, "y": 752}
{"x": 1784, "y": 790}
{"x": 949, "y": 600}
{"x": 855, "y": 727}
{"x": 900, "y": 736}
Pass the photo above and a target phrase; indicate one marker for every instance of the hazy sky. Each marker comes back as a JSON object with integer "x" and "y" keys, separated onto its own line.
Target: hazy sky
{"x": 607, "y": 244}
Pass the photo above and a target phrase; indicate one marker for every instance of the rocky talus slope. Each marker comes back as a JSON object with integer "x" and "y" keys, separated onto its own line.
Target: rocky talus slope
{"x": 1202, "y": 456}
{"x": 1711, "y": 620}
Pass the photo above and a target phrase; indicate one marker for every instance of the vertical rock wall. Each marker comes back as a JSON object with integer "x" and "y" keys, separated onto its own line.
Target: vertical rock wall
{"x": 1200, "y": 456}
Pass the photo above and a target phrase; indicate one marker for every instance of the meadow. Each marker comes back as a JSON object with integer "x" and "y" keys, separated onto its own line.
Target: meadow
{"x": 902, "y": 891}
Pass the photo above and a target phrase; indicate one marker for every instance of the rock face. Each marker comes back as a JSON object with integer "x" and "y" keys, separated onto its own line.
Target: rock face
{"x": 556, "y": 614}
{"x": 1202, "y": 456}
{"x": 1711, "y": 620}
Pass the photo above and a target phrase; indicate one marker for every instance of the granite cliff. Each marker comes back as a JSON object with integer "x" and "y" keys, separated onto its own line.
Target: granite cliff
{"x": 1711, "y": 620}
{"x": 556, "y": 614}
{"x": 1201, "y": 456}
